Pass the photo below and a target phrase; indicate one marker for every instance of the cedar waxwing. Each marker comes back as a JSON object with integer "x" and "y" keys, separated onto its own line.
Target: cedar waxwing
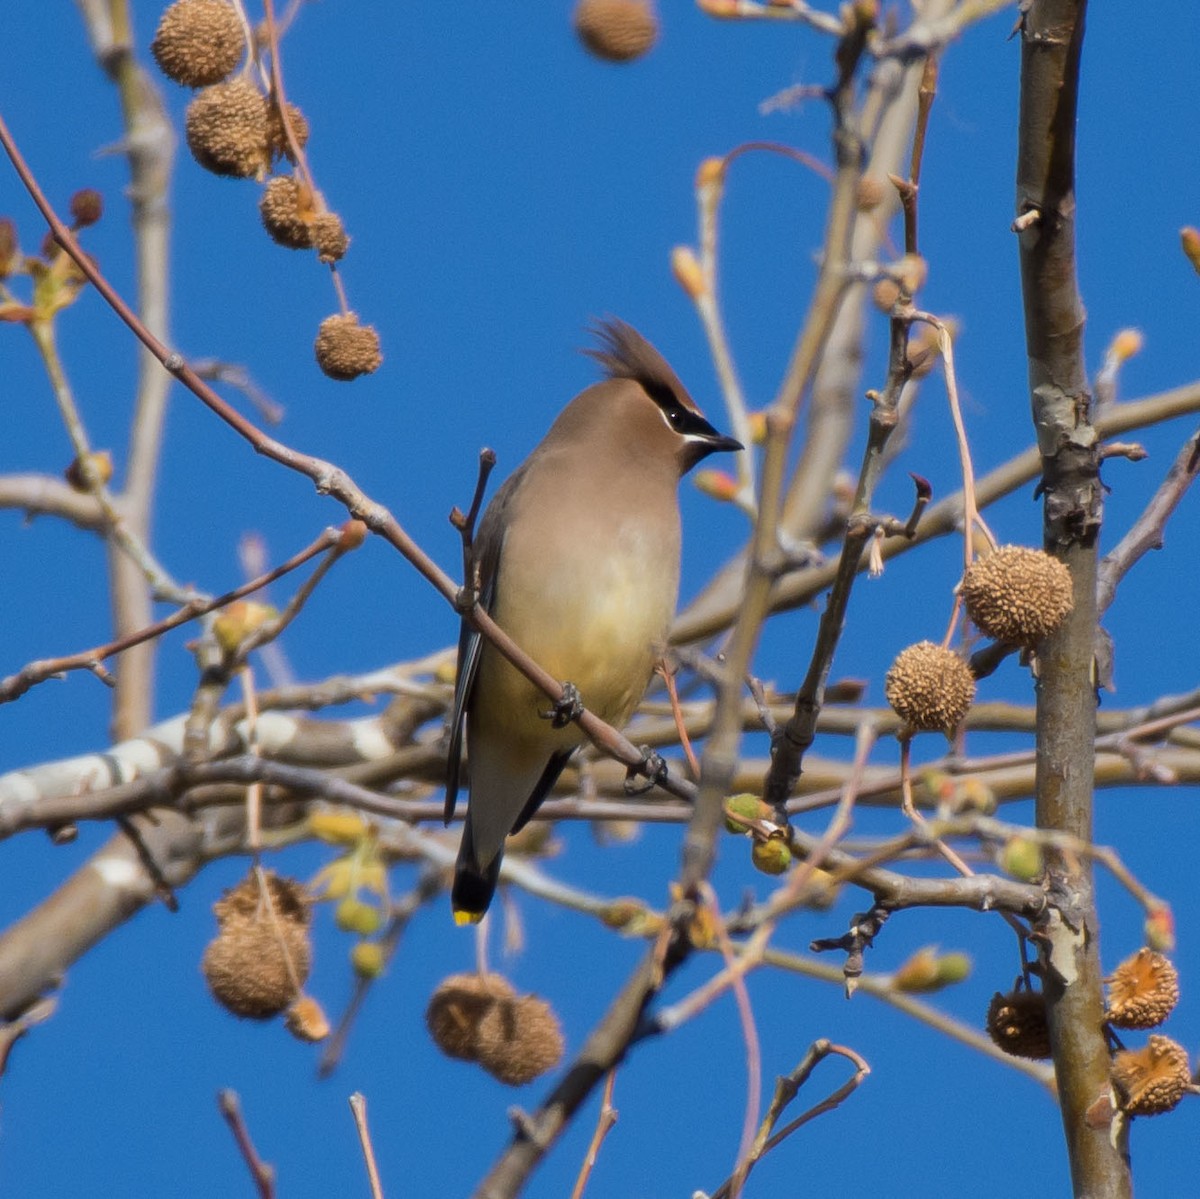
{"x": 578, "y": 559}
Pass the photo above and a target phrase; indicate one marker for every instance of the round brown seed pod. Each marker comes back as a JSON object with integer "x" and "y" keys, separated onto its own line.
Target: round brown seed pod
{"x": 289, "y": 899}
{"x": 616, "y": 30}
{"x": 345, "y": 349}
{"x": 283, "y": 213}
{"x": 1016, "y": 1022}
{"x": 226, "y": 130}
{"x": 261, "y": 955}
{"x": 1017, "y": 595}
{"x": 277, "y": 141}
{"x": 1142, "y": 991}
{"x": 329, "y": 237}
{"x": 198, "y": 42}
{"x": 930, "y": 687}
{"x": 519, "y": 1040}
{"x": 1153, "y": 1079}
{"x": 458, "y": 1007}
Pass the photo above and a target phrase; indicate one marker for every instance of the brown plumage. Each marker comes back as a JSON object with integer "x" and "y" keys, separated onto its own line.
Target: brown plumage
{"x": 579, "y": 563}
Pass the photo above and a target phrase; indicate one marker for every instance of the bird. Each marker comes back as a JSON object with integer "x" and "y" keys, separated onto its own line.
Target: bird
{"x": 577, "y": 560}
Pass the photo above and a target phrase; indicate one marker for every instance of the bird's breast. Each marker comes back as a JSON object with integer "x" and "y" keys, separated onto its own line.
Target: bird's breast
{"x": 595, "y": 612}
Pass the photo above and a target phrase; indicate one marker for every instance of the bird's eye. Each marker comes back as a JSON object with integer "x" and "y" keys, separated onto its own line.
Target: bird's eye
{"x": 675, "y": 416}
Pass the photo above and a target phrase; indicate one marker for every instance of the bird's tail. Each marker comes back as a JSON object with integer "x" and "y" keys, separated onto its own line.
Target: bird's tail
{"x": 473, "y": 887}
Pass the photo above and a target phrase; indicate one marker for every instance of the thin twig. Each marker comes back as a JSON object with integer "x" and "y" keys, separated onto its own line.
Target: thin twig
{"x": 16, "y": 685}
{"x": 358, "y": 1105}
{"x": 262, "y": 1173}
{"x": 786, "y": 1089}
{"x": 604, "y": 1124}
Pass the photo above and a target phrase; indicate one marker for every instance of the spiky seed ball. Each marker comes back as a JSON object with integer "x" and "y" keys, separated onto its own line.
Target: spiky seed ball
{"x": 345, "y": 349}
{"x": 262, "y": 955}
{"x": 282, "y": 208}
{"x": 289, "y": 898}
{"x": 1153, "y": 1079}
{"x": 1016, "y": 1022}
{"x": 198, "y": 42}
{"x": 930, "y": 687}
{"x": 519, "y": 1040}
{"x": 457, "y": 1008}
{"x": 616, "y": 30}
{"x": 1017, "y": 595}
{"x": 1142, "y": 991}
{"x": 277, "y": 142}
{"x": 226, "y": 129}
{"x": 329, "y": 237}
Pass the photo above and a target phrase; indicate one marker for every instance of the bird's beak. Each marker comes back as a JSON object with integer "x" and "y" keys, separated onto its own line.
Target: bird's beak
{"x": 720, "y": 442}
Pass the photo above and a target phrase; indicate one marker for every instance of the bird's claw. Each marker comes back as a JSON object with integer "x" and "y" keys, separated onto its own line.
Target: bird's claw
{"x": 653, "y": 767}
{"x": 567, "y": 708}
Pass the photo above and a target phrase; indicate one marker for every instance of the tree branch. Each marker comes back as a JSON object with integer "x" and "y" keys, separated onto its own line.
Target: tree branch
{"x": 1051, "y": 45}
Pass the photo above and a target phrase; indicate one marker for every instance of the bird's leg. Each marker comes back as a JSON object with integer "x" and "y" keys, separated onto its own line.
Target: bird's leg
{"x": 653, "y": 767}
{"x": 568, "y": 707}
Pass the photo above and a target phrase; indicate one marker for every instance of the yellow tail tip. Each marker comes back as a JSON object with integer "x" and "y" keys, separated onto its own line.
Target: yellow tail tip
{"x": 461, "y": 917}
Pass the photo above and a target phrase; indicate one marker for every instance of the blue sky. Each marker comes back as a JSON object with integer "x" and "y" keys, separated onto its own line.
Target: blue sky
{"x": 503, "y": 189}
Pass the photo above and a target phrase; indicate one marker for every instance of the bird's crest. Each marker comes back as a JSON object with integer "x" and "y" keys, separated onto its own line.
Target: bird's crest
{"x": 626, "y": 354}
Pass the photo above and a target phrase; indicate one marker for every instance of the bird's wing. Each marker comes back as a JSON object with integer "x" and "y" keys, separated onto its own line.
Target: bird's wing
{"x": 470, "y": 645}
{"x": 489, "y": 542}
{"x": 549, "y": 777}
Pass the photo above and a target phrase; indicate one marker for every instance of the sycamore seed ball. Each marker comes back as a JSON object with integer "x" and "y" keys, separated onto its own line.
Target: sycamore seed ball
{"x": 198, "y": 42}
{"x": 226, "y": 130}
{"x": 1017, "y": 595}
{"x": 277, "y": 140}
{"x": 345, "y": 349}
{"x": 930, "y": 687}
{"x": 282, "y": 213}
{"x": 1153, "y": 1079}
{"x": 519, "y": 1040}
{"x": 1143, "y": 991}
{"x": 329, "y": 237}
{"x": 261, "y": 955}
{"x": 616, "y": 30}
{"x": 457, "y": 1009}
{"x": 1016, "y": 1022}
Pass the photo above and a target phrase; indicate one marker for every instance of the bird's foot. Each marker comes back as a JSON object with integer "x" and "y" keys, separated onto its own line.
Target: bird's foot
{"x": 568, "y": 707}
{"x": 653, "y": 769}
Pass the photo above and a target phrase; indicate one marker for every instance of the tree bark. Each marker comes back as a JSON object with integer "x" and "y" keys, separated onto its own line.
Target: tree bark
{"x": 1051, "y": 43}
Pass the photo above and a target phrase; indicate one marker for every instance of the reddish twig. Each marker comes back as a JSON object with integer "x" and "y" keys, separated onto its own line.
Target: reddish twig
{"x": 263, "y": 1173}
{"x": 607, "y": 1118}
{"x": 90, "y": 659}
{"x": 786, "y": 1089}
{"x": 667, "y": 675}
